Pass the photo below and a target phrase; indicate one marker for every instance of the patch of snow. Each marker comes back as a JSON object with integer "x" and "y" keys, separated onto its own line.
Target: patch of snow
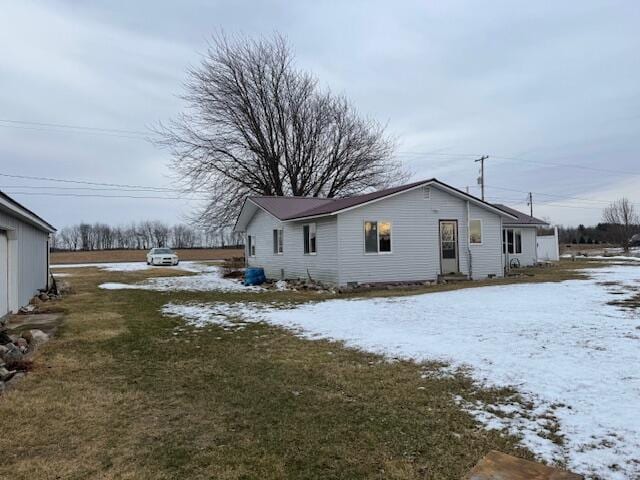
{"x": 614, "y": 257}
{"x": 207, "y": 278}
{"x": 187, "y": 266}
{"x": 61, "y": 275}
{"x": 227, "y": 315}
{"x": 560, "y": 344}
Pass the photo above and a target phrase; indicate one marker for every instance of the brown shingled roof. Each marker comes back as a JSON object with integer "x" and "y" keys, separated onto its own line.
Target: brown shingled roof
{"x": 522, "y": 218}
{"x": 337, "y": 204}
{"x": 286, "y": 207}
{"x": 294, "y": 208}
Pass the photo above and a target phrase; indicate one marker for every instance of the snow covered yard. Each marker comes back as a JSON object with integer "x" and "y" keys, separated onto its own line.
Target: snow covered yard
{"x": 207, "y": 278}
{"x": 562, "y": 345}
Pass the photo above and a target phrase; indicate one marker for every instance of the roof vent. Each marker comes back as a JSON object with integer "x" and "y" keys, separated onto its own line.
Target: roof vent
{"x": 427, "y": 192}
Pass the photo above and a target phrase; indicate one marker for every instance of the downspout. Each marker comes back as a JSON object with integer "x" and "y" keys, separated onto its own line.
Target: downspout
{"x": 468, "y": 244}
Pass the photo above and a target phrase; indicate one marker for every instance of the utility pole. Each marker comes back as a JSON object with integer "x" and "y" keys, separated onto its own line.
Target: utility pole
{"x": 530, "y": 203}
{"x": 481, "y": 177}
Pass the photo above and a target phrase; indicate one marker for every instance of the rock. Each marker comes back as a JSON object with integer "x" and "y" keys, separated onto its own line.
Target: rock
{"x": 3, "y": 350}
{"x": 27, "y": 309}
{"x": 6, "y": 374}
{"x": 35, "y": 301}
{"x": 21, "y": 342}
{"x": 12, "y": 354}
{"x": 35, "y": 336}
{"x": 44, "y": 297}
{"x": 5, "y": 338}
{"x": 2, "y": 388}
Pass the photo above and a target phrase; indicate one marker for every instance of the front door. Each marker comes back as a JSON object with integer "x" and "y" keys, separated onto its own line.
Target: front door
{"x": 449, "y": 246}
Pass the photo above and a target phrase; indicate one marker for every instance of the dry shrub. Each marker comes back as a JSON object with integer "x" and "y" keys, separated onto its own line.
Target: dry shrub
{"x": 232, "y": 267}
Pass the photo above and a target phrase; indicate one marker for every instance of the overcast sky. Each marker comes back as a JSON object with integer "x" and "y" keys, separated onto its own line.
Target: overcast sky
{"x": 549, "y": 90}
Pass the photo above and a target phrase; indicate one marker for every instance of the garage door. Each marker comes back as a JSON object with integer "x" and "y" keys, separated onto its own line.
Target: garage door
{"x": 4, "y": 275}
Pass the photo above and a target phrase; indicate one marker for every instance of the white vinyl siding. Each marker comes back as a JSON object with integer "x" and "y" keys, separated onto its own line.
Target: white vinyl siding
{"x": 414, "y": 219}
{"x": 28, "y": 259}
{"x": 293, "y": 263}
{"x": 415, "y": 239}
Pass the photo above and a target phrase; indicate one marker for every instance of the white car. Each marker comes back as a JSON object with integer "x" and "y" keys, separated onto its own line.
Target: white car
{"x": 162, "y": 256}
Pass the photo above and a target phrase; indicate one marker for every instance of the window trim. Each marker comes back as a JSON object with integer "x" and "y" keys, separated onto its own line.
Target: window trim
{"x": 278, "y": 241}
{"x": 505, "y": 241}
{"x": 481, "y": 242}
{"x": 307, "y": 243}
{"x": 364, "y": 240}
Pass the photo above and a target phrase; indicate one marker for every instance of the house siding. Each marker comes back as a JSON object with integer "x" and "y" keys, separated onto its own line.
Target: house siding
{"x": 27, "y": 257}
{"x": 415, "y": 239}
{"x": 529, "y": 255}
{"x": 322, "y": 266}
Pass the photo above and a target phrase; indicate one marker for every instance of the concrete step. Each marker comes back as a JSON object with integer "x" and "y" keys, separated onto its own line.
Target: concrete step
{"x": 500, "y": 466}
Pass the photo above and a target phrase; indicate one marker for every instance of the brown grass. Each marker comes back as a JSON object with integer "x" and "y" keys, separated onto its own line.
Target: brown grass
{"x": 108, "y": 256}
{"x": 117, "y": 395}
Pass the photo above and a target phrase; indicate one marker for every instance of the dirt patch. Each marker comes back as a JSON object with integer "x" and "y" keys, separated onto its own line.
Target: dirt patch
{"x": 631, "y": 303}
{"x": 108, "y": 256}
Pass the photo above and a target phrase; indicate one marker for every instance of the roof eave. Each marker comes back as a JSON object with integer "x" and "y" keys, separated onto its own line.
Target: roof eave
{"x": 10, "y": 205}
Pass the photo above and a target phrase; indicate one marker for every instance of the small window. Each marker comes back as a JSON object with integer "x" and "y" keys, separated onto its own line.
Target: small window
{"x": 377, "y": 237}
{"x": 371, "y": 237}
{"x": 251, "y": 245}
{"x": 518, "y": 241}
{"x": 309, "y": 235}
{"x": 475, "y": 232}
{"x": 278, "y": 243}
{"x": 427, "y": 192}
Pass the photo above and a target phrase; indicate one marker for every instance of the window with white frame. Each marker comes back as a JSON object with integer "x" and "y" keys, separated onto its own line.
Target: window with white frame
{"x": 309, "y": 236}
{"x": 251, "y": 245}
{"x": 278, "y": 243}
{"x": 475, "y": 232}
{"x": 512, "y": 241}
{"x": 377, "y": 236}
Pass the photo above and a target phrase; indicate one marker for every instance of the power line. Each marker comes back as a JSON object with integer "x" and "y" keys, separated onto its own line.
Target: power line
{"x": 116, "y": 189}
{"x": 74, "y": 127}
{"x": 85, "y": 182}
{"x": 562, "y": 197}
{"x": 95, "y": 195}
{"x": 465, "y": 156}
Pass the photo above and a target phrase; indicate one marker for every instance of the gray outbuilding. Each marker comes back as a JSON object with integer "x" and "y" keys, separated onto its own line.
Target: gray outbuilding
{"x": 24, "y": 254}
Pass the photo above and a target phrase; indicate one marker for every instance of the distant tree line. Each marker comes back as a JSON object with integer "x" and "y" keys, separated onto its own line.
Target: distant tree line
{"x": 621, "y": 222}
{"x": 141, "y": 236}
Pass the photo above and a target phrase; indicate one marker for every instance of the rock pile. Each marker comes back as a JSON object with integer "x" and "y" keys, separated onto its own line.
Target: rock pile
{"x": 297, "y": 285}
{"x": 16, "y": 351}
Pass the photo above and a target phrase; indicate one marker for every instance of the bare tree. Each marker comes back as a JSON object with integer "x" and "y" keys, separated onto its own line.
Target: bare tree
{"x": 255, "y": 124}
{"x": 624, "y": 219}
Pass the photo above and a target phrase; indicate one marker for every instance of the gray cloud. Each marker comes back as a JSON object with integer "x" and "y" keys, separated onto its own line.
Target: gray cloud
{"x": 542, "y": 83}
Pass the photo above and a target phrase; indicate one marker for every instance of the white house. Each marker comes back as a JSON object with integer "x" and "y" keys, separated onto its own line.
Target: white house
{"x": 24, "y": 254}
{"x": 520, "y": 238}
{"x": 410, "y": 233}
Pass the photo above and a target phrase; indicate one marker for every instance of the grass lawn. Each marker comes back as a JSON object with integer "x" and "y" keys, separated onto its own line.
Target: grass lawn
{"x": 120, "y": 393}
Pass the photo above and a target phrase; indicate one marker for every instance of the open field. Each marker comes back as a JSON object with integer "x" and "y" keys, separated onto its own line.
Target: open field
{"x": 126, "y": 392}
{"x": 106, "y": 256}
